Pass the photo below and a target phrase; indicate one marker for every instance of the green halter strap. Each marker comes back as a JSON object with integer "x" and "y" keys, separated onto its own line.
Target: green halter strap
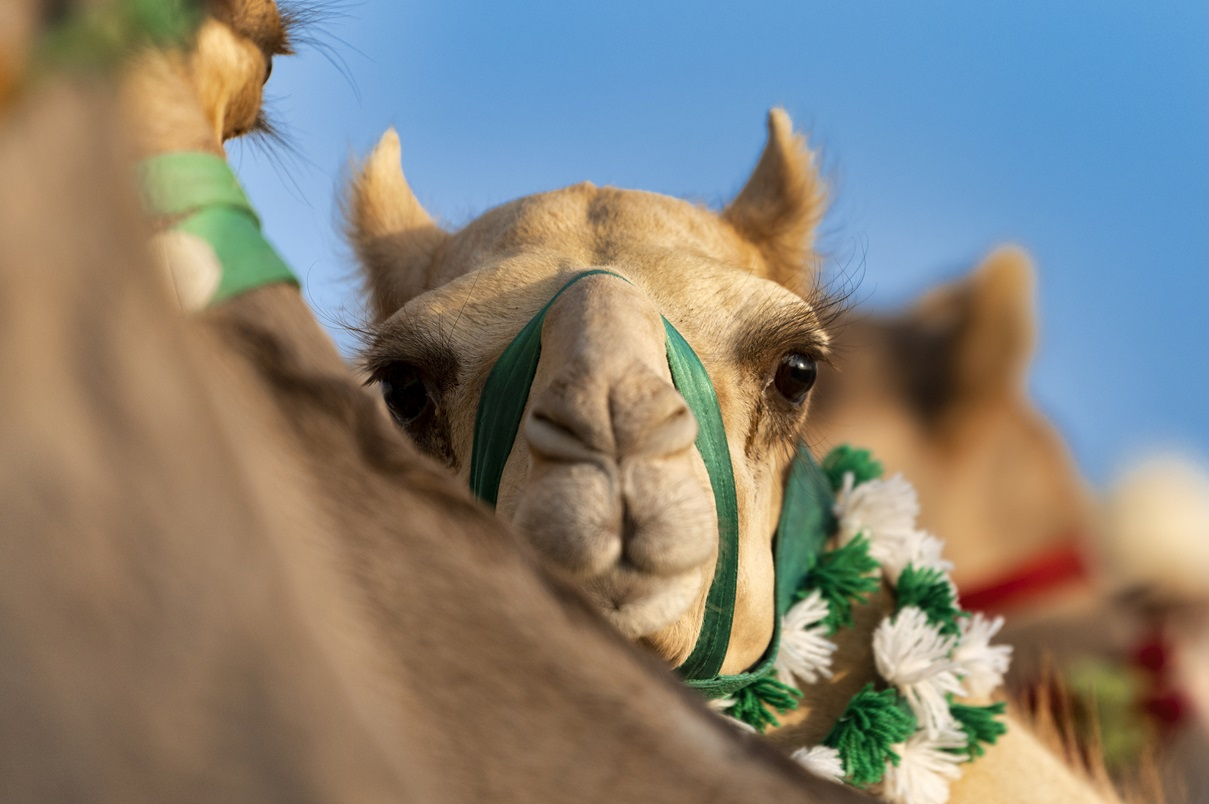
{"x": 805, "y": 523}
{"x": 202, "y": 194}
{"x": 805, "y": 516}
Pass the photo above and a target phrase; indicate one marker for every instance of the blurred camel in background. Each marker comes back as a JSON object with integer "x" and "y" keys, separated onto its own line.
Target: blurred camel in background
{"x": 939, "y": 391}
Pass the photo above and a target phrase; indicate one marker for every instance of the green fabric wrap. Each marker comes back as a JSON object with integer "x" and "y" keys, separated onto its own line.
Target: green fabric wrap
{"x": 807, "y": 520}
{"x": 98, "y": 36}
{"x": 806, "y": 514}
{"x": 201, "y": 192}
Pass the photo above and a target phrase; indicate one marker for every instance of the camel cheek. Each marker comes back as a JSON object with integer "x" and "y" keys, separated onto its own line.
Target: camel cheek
{"x": 228, "y": 72}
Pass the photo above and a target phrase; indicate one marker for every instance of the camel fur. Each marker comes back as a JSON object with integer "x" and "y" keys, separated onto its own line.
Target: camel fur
{"x": 226, "y": 576}
{"x": 603, "y": 446}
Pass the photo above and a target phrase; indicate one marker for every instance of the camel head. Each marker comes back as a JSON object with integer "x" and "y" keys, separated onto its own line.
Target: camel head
{"x": 196, "y": 97}
{"x": 940, "y": 392}
{"x": 604, "y": 476}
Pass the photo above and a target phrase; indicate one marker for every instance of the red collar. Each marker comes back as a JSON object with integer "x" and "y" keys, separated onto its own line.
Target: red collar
{"x": 1042, "y": 573}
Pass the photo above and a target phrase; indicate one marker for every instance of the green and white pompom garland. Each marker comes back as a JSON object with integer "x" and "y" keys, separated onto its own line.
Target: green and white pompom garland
{"x": 904, "y": 740}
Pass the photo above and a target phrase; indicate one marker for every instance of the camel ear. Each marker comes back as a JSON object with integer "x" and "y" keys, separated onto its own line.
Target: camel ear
{"x": 988, "y": 325}
{"x": 781, "y": 205}
{"x": 394, "y": 238}
{"x": 1001, "y": 334}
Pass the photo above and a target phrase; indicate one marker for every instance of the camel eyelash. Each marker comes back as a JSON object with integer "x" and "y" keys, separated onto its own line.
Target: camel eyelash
{"x": 431, "y": 358}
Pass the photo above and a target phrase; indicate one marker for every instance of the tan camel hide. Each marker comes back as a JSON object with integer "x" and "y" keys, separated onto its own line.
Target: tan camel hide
{"x": 226, "y": 577}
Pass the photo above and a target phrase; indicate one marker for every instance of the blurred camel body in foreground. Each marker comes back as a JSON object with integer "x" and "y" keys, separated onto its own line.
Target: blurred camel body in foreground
{"x": 226, "y": 578}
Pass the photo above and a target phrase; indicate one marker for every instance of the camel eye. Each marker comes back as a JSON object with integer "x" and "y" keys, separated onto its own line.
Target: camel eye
{"x": 795, "y": 377}
{"x": 406, "y": 395}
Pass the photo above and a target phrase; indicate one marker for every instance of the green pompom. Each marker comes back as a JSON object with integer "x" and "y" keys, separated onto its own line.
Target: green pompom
{"x": 846, "y": 458}
{"x": 754, "y": 702}
{"x": 980, "y": 726}
{"x": 928, "y": 590}
{"x": 843, "y": 577}
{"x": 872, "y": 722}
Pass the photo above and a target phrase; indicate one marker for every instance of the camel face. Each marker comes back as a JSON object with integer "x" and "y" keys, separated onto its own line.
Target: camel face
{"x": 615, "y": 493}
{"x": 198, "y": 98}
{"x": 604, "y": 477}
{"x": 232, "y": 59}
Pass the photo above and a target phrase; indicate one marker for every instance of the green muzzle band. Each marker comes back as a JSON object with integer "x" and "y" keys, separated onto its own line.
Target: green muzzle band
{"x": 203, "y": 197}
{"x": 805, "y": 523}
{"x": 805, "y": 519}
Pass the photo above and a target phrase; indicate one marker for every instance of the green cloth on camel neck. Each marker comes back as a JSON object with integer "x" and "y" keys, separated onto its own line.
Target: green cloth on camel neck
{"x": 201, "y": 192}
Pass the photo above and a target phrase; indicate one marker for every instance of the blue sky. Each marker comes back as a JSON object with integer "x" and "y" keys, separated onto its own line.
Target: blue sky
{"x": 1079, "y": 130}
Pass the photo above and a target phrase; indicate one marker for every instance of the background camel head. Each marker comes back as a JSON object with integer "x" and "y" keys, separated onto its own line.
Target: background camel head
{"x": 198, "y": 97}
{"x": 604, "y": 478}
{"x": 939, "y": 392}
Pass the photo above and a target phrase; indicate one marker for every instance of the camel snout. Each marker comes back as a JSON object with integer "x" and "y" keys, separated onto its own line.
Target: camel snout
{"x": 636, "y": 414}
{"x": 616, "y": 493}
{"x": 628, "y": 437}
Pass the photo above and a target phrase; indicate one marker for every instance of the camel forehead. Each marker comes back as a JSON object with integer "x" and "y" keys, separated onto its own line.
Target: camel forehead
{"x": 698, "y": 271}
{"x": 598, "y": 225}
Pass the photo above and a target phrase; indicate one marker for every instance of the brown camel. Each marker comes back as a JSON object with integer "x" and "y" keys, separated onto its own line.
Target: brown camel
{"x": 1109, "y": 591}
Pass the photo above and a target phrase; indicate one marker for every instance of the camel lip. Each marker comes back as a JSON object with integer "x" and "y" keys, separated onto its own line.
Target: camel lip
{"x": 632, "y": 524}
{"x": 639, "y": 604}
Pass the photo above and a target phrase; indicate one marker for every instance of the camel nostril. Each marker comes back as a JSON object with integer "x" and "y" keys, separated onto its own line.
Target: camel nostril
{"x": 676, "y": 433}
{"x": 651, "y": 421}
{"x": 545, "y": 420}
{"x": 553, "y": 439}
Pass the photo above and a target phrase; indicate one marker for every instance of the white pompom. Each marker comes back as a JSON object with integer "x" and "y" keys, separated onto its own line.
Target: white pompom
{"x": 924, "y": 768}
{"x": 821, "y": 760}
{"x": 805, "y": 651}
{"x": 883, "y": 510}
{"x": 982, "y": 664}
{"x": 720, "y": 705}
{"x": 921, "y": 549}
{"x": 914, "y": 656}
